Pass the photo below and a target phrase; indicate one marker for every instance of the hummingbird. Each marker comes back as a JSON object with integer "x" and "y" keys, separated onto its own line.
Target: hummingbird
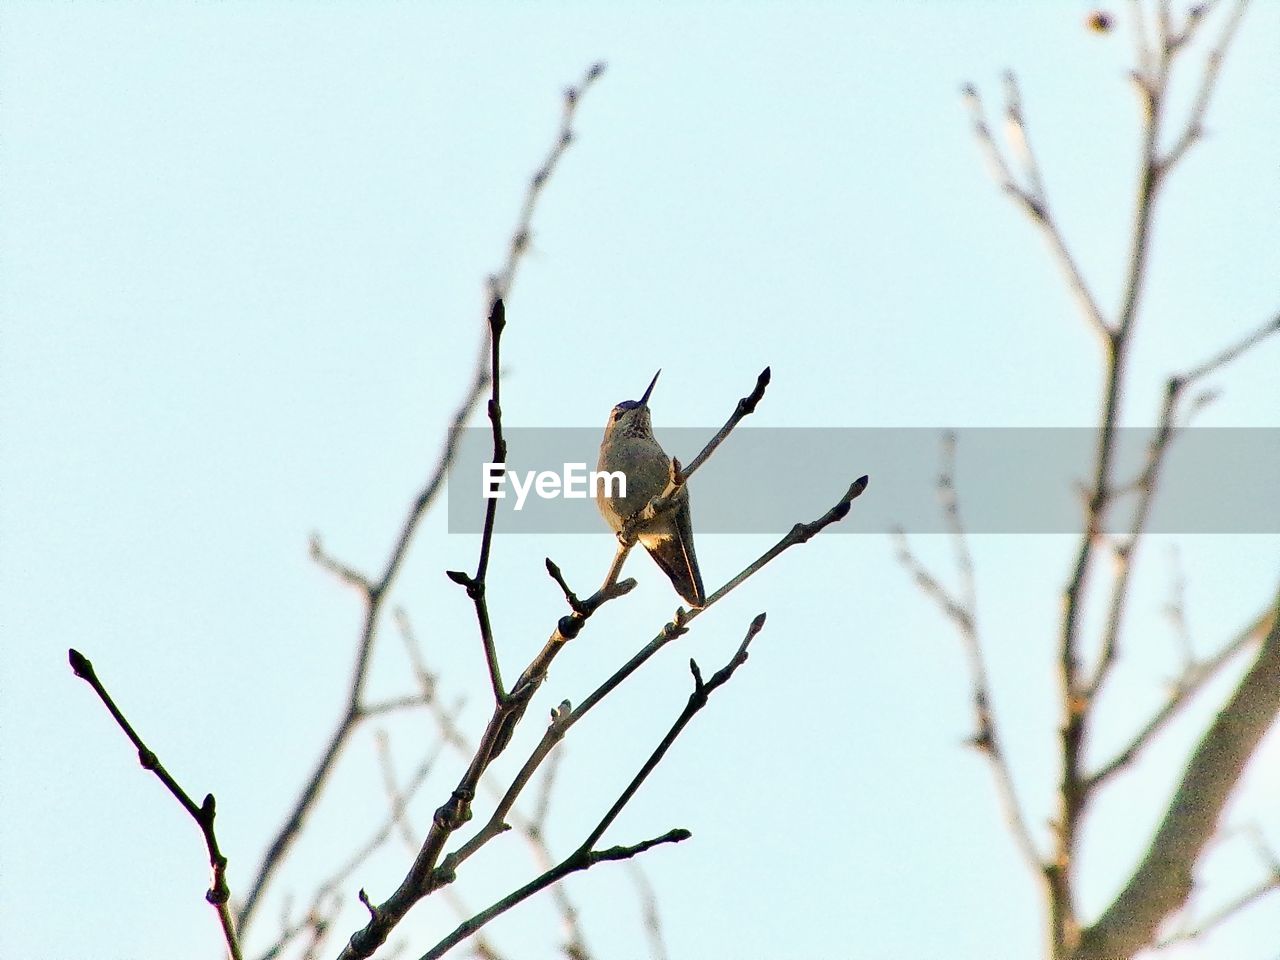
{"x": 629, "y": 446}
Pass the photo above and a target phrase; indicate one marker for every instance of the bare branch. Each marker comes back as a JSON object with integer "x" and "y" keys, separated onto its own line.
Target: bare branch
{"x": 1161, "y": 883}
{"x": 218, "y": 894}
{"x": 575, "y": 863}
{"x": 963, "y": 615}
{"x": 1015, "y": 126}
{"x": 348, "y": 575}
{"x": 666, "y": 500}
{"x": 1241, "y": 902}
{"x": 1176, "y": 610}
{"x": 563, "y": 718}
{"x": 477, "y": 585}
{"x": 353, "y": 711}
{"x": 1147, "y": 484}
{"x": 376, "y": 593}
{"x": 1194, "y": 126}
{"x": 502, "y": 281}
{"x": 1192, "y": 681}
{"x": 586, "y": 855}
{"x": 652, "y": 919}
{"x": 1032, "y": 200}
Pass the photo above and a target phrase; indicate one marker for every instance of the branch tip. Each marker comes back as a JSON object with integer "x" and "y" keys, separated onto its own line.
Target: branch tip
{"x": 497, "y": 315}
{"x": 80, "y": 664}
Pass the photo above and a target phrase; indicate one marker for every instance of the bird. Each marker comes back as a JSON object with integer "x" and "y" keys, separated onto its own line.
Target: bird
{"x": 629, "y": 447}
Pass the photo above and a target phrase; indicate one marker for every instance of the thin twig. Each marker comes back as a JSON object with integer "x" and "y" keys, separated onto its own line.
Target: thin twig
{"x": 501, "y": 284}
{"x": 586, "y": 855}
{"x": 218, "y": 894}
{"x": 424, "y": 877}
{"x": 1193, "y": 679}
{"x": 1194, "y": 127}
{"x": 563, "y": 718}
{"x": 1015, "y": 126}
{"x": 1033, "y": 202}
{"x": 533, "y": 828}
{"x": 1156, "y": 54}
{"x": 1176, "y": 609}
{"x": 667, "y": 500}
{"x": 962, "y": 612}
{"x": 649, "y": 910}
{"x": 477, "y": 585}
{"x": 353, "y": 710}
{"x": 1147, "y": 485}
{"x": 1162, "y": 880}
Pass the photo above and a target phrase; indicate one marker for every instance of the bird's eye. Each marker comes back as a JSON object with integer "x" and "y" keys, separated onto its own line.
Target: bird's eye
{"x": 617, "y": 415}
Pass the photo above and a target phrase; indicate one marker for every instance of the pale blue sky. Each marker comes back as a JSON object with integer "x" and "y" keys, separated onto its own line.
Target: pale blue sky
{"x": 242, "y": 285}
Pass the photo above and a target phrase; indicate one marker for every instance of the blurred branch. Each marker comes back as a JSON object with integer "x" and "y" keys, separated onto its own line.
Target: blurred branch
{"x": 962, "y": 612}
{"x": 1193, "y": 129}
{"x": 586, "y": 856}
{"x": 1147, "y": 485}
{"x": 501, "y": 282}
{"x": 1192, "y": 681}
{"x": 1241, "y": 902}
{"x": 649, "y": 907}
{"x": 1162, "y": 881}
{"x": 531, "y": 828}
{"x": 1156, "y": 53}
{"x": 218, "y": 893}
{"x": 375, "y": 592}
{"x": 1032, "y": 198}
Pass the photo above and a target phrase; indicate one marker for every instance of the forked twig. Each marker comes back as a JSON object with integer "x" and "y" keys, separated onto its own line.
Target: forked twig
{"x": 586, "y": 856}
{"x": 564, "y": 717}
{"x": 375, "y": 592}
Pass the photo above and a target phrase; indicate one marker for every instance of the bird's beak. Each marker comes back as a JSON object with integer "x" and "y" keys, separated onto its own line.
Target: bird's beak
{"x": 648, "y": 390}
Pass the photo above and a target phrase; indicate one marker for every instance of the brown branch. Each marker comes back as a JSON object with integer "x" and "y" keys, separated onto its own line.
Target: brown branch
{"x": 563, "y": 718}
{"x": 477, "y": 584}
{"x": 652, "y": 919}
{"x": 575, "y": 863}
{"x": 1156, "y": 59}
{"x": 1194, "y": 127}
{"x": 219, "y": 894}
{"x": 423, "y": 877}
{"x": 1147, "y": 485}
{"x": 1241, "y": 902}
{"x": 531, "y": 828}
{"x": 962, "y": 613}
{"x": 353, "y": 711}
{"x": 1193, "y": 679}
{"x": 586, "y": 856}
{"x": 501, "y": 284}
{"x": 1162, "y": 881}
{"x": 1032, "y": 201}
